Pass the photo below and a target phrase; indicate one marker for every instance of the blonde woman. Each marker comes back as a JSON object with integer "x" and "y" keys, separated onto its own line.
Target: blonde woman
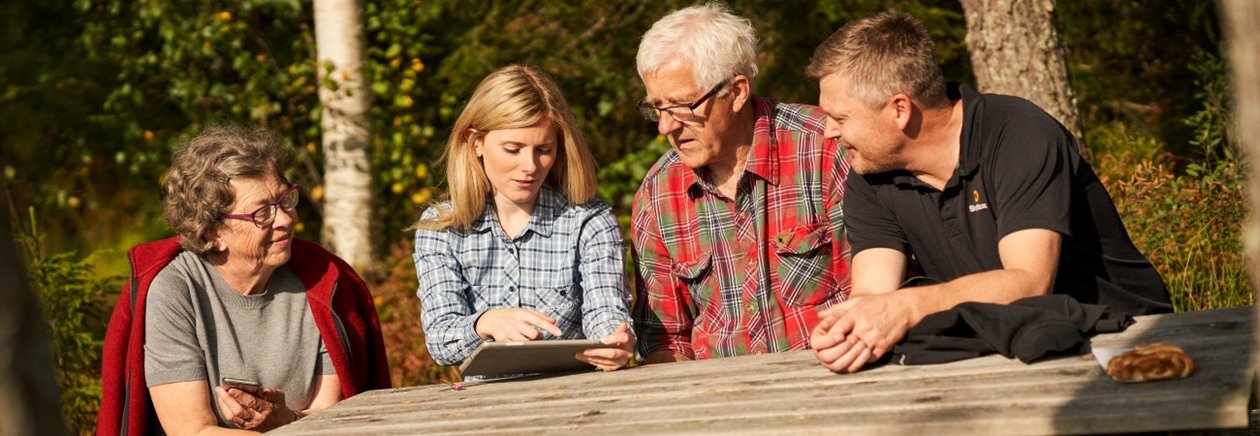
{"x": 521, "y": 250}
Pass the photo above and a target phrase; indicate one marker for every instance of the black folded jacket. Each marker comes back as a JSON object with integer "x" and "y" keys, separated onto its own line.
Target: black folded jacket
{"x": 1028, "y": 329}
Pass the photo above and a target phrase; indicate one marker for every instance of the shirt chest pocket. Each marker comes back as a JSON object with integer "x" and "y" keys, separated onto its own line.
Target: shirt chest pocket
{"x": 554, "y": 292}
{"x": 804, "y": 264}
{"x": 561, "y": 303}
{"x": 694, "y": 273}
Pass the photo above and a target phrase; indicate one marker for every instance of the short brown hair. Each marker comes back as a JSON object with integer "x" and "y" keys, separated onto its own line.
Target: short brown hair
{"x": 883, "y": 55}
{"x": 198, "y": 185}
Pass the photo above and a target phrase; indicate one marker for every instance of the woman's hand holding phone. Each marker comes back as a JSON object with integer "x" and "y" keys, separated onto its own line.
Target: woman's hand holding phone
{"x": 250, "y": 406}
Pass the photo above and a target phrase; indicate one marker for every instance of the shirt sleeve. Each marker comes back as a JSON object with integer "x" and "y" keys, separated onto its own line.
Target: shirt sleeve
{"x": 1031, "y": 177}
{"x": 661, "y": 300}
{"x": 172, "y": 351}
{"x": 601, "y": 265}
{"x": 446, "y": 310}
{"x": 324, "y": 365}
{"x": 869, "y": 223}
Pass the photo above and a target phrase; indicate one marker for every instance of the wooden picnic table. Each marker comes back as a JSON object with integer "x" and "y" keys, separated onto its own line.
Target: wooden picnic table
{"x": 791, "y": 393}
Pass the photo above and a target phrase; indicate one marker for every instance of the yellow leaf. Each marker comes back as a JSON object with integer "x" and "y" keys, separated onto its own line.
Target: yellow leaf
{"x": 397, "y": 188}
{"x": 422, "y": 196}
{"x": 224, "y": 15}
{"x": 317, "y": 193}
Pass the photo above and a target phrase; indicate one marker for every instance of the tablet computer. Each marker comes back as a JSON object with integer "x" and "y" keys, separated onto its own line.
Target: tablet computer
{"x": 495, "y": 358}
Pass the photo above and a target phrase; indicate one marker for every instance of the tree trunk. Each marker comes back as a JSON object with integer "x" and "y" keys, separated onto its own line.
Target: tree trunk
{"x": 346, "y": 138}
{"x": 1016, "y": 50}
{"x": 28, "y": 391}
{"x": 1241, "y": 20}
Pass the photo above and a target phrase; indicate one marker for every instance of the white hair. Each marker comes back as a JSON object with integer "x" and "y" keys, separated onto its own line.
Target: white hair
{"x": 718, "y": 43}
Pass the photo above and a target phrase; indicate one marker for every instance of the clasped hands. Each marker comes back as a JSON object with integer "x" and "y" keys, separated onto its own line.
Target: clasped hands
{"x": 522, "y": 324}
{"x": 859, "y": 331}
{"x": 254, "y": 410}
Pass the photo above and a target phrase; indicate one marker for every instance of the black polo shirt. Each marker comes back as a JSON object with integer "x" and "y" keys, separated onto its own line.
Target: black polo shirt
{"x": 1018, "y": 169}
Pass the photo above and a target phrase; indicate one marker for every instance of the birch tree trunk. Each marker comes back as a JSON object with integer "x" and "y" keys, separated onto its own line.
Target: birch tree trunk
{"x": 1016, "y": 50}
{"x": 1241, "y": 20}
{"x": 344, "y": 121}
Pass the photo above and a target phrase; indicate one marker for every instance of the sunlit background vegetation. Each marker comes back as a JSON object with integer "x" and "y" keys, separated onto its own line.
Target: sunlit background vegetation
{"x": 95, "y": 94}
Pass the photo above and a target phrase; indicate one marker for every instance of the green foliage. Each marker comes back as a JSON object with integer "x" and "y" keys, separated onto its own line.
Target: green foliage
{"x": 75, "y": 301}
{"x": 1211, "y": 123}
{"x": 1191, "y": 229}
{"x": 1190, "y": 226}
{"x": 1128, "y": 63}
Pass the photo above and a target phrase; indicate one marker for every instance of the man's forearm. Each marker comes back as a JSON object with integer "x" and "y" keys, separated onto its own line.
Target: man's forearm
{"x": 1001, "y": 286}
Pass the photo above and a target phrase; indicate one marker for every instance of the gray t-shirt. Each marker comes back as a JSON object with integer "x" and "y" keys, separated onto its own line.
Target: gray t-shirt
{"x": 198, "y": 328}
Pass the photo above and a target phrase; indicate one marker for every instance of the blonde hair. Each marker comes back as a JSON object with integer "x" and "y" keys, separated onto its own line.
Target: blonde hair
{"x": 512, "y": 97}
{"x": 719, "y": 44}
{"x": 883, "y": 55}
{"x": 198, "y": 184}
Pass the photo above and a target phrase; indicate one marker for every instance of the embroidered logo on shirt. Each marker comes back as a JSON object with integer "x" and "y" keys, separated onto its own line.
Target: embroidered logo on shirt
{"x": 976, "y": 205}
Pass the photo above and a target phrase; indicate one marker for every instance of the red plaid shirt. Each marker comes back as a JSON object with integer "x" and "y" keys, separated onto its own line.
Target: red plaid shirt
{"x": 719, "y": 277}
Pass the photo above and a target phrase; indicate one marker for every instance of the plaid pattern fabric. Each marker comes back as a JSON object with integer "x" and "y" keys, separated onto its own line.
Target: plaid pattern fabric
{"x": 718, "y": 277}
{"x": 568, "y": 263}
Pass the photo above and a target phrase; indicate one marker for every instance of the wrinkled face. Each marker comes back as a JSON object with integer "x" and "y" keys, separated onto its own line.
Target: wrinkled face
{"x": 698, "y": 141}
{"x": 517, "y": 161}
{"x": 870, "y": 136}
{"x": 268, "y": 246}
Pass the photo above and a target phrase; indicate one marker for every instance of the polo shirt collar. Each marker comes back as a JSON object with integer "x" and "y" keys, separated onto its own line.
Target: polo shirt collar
{"x": 550, "y": 204}
{"x": 972, "y": 150}
{"x": 762, "y": 158}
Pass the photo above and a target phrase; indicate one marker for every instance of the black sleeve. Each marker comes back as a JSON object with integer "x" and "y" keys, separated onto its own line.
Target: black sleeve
{"x": 1031, "y": 175}
{"x": 869, "y": 223}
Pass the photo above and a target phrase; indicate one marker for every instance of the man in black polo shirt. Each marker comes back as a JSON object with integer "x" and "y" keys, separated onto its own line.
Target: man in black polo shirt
{"x": 987, "y": 194}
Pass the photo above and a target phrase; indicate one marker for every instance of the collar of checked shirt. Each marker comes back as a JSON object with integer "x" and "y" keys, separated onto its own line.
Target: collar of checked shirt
{"x": 762, "y": 159}
{"x": 550, "y": 204}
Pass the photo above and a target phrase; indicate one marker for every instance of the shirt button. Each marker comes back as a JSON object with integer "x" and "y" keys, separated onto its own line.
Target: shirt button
{"x": 512, "y": 250}
{"x": 511, "y": 289}
{"x": 752, "y": 261}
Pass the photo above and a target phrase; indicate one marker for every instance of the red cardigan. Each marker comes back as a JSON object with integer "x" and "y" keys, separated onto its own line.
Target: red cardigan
{"x": 339, "y": 300}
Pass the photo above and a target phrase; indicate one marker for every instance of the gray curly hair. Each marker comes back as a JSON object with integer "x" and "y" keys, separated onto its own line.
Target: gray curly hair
{"x": 197, "y": 187}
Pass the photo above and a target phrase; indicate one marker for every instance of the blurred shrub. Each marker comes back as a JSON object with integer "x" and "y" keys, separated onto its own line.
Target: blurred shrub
{"x": 393, "y": 284}
{"x": 1191, "y": 229}
{"x": 76, "y": 303}
{"x": 1189, "y": 224}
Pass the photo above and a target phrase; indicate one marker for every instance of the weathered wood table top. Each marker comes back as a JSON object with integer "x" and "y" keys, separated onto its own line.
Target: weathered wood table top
{"x": 791, "y": 393}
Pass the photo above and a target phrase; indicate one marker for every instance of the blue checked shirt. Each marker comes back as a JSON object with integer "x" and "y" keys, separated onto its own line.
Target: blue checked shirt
{"x": 568, "y": 263}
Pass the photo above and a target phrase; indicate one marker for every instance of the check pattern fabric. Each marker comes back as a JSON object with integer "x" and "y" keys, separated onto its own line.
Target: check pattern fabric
{"x": 568, "y": 263}
{"x": 720, "y": 277}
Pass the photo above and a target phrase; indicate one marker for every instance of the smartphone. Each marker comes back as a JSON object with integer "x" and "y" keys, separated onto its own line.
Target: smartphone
{"x": 252, "y": 387}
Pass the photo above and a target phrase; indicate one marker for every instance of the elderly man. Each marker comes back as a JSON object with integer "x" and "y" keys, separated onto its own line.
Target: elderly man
{"x": 987, "y": 192}
{"x": 737, "y": 230}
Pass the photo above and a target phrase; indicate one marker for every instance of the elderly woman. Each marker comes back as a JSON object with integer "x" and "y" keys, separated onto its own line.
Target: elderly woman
{"x": 244, "y": 326}
{"x": 522, "y": 250}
